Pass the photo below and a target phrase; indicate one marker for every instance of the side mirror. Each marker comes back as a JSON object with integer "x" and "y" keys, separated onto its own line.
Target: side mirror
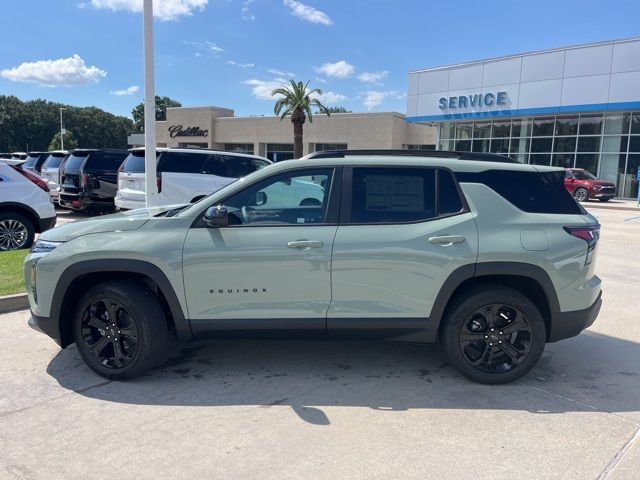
{"x": 571, "y": 179}
{"x": 261, "y": 198}
{"x": 217, "y": 216}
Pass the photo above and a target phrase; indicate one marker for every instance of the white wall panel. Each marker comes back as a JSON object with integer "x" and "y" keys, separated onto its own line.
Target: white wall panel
{"x": 625, "y": 87}
{"x": 502, "y": 72}
{"x": 412, "y": 88}
{"x": 585, "y": 90}
{"x": 433, "y": 81}
{"x": 428, "y": 103}
{"x": 626, "y": 57}
{"x": 588, "y": 60}
{"x": 465, "y": 77}
{"x": 542, "y": 66}
{"x": 412, "y": 105}
{"x": 540, "y": 94}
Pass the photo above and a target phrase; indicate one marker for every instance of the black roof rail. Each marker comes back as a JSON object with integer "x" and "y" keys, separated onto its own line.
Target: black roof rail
{"x": 483, "y": 157}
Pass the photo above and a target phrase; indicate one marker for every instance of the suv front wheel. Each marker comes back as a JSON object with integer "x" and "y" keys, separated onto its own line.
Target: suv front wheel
{"x": 120, "y": 329}
{"x": 493, "y": 334}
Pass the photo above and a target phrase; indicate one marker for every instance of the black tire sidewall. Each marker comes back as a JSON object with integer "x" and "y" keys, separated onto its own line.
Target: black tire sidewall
{"x": 465, "y": 305}
{"x": 144, "y": 307}
{"x": 31, "y": 231}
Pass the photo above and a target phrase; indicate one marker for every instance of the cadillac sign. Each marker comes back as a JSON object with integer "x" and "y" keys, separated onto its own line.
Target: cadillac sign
{"x": 177, "y": 131}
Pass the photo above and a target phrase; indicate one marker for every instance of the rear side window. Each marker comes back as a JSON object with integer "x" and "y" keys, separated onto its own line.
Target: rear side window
{"x": 74, "y": 162}
{"x": 448, "y": 196}
{"x": 232, "y": 166}
{"x": 134, "y": 163}
{"x": 181, "y": 162}
{"x": 109, "y": 161}
{"x": 53, "y": 161}
{"x": 531, "y": 192}
{"x": 393, "y": 195}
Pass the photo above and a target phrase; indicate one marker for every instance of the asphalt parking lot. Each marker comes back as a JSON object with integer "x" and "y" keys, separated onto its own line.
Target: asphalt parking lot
{"x": 262, "y": 409}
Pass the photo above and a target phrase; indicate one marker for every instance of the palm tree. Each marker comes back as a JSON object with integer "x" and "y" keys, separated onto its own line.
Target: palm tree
{"x": 297, "y": 101}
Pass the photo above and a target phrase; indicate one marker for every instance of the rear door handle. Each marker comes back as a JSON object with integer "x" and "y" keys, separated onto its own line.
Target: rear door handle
{"x": 305, "y": 244}
{"x": 446, "y": 240}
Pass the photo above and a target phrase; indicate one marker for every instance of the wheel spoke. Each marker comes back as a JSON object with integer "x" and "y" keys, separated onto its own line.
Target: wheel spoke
{"x": 96, "y": 322}
{"x": 516, "y": 325}
{"x": 111, "y": 309}
{"x": 128, "y": 332}
{"x": 512, "y": 352}
{"x": 470, "y": 337}
{"x": 97, "y": 347}
{"x": 490, "y": 315}
{"x": 118, "y": 354}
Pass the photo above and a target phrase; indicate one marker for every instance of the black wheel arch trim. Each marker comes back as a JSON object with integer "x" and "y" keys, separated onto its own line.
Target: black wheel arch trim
{"x": 120, "y": 265}
{"x": 25, "y": 210}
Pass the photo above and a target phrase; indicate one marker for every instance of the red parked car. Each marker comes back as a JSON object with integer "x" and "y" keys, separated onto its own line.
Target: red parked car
{"x": 584, "y": 186}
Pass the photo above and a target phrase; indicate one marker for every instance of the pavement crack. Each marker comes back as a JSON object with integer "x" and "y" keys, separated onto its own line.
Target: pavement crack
{"x": 80, "y": 390}
{"x": 619, "y": 456}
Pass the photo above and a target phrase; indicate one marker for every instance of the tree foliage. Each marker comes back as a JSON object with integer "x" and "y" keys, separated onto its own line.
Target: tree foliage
{"x": 70, "y": 141}
{"x": 162, "y": 103}
{"x": 338, "y": 110}
{"x": 297, "y": 101}
{"x": 32, "y": 124}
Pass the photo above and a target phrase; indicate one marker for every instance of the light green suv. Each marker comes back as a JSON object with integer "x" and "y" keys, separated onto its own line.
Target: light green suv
{"x": 489, "y": 258}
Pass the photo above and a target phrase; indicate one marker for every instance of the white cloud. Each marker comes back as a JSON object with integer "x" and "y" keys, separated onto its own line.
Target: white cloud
{"x": 54, "y": 73}
{"x": 307, "y": 13}
{"x": 280, "y": 73}
{"x": 127, "y": 91}
{"x": 212, "y": 47}
{"x": 321, "y": 80}
{"x": 163, "y": 9}
{"x": 330, "y": 98}
{"x": 341, "y": 69}
{"x": 373, "y": 98}
{"x": 247, "y": 14}
{"x": 261, "y": 89}
{"x": 373, "y": 77}
{"x": 241, "y": 65}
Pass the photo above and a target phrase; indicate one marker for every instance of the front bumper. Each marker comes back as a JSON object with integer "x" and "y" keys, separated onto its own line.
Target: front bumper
{"x": 45, "y": 224}
{"x": 47, "y": 326}
{"x": 569, "y": 324}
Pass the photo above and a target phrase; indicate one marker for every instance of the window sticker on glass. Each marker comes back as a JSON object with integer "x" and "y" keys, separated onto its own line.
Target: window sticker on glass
{"x": 403, "y": 193}
{"x": 300, "y": 220}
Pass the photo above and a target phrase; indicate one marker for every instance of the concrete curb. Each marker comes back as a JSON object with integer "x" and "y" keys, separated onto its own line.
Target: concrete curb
{"x": 13, "y": 303}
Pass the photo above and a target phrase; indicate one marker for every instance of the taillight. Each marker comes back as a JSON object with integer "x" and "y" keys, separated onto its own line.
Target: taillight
{"x": 34, "y": 178}
{"x": 159, "y": 182}
{"x": 589, "y": 235}
{"x": 84, "y": 180}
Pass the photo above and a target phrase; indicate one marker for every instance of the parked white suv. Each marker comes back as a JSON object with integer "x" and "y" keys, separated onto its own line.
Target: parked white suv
{"x": 25, "y": 208}
{"x": 184, "y": 175}
{"x": 51, "y": 171}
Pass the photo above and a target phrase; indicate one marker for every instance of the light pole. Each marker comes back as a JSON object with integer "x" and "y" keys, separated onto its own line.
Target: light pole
{"x": 149, "y": 108}
{"x": 61, "y": 131}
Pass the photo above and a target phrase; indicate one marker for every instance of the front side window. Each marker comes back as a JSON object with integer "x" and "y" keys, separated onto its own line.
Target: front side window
{"x": 181, "y": 162}
{"x": 393, "y": 195}
{"x": 294, "y": 198}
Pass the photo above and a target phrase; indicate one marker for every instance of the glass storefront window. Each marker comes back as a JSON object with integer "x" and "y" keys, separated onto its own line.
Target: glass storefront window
{"x": 543, "y": 127}
{"x": 500, "y": 145}
{"x": 482, "y": 130}
{"x": 446, "y": 145}
{"x": 463, "y": 131}
{"x": 564, "y": 144}
{"x": 616, "y": 123}
{"x": 631, "y": 182}
{"x": 447, "y": 130}
{"x": 635, "y": 123}
{"x": 564, "y": 160}
{"x": 502, "y": 129}
{"x": 321, "y": 147}
{"x": 541, "y": 145}
{"x": 615, "y": 144}
{"x": 588, "y": 161}
{"x": 634, "y": 143}
{"x": 463, "y": 145}
{"x": 521, "y": 128}
{"x": 481, "y": 145}
{"x": 612, "y": 167}
{"x": 540, "y": 158}
{"x": 588, "y": 144}
{"x": 567, "y": 125}
{"x": 590, "y": 125}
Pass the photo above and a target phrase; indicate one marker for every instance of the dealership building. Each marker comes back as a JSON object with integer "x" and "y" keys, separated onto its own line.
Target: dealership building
{"x": 268, "y": 136}
{"x": 569, "y": 107}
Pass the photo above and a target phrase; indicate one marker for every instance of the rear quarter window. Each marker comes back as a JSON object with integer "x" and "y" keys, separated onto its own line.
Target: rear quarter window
{"x": 181, "y": 162}
{"x": 105, "y": 161}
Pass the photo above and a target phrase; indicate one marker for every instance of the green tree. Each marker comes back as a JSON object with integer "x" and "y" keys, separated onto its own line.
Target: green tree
{"x": 162, "y": 103}
{"x": 338, "y": 110}
{"x": 70, "y": 141}
{"x": 297, "y": 101}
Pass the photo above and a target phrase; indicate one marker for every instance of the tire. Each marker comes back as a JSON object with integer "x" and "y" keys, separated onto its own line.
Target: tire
{"x": 460, "y": 342}
{"x": 604, "y": 199}
{"x": 581, "y": 194}
{"x": 16, "y": 231}
{"x": 138, "y": 313}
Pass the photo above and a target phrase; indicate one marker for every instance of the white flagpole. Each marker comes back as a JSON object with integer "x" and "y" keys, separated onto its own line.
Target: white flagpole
{"x": 151, "y": 186}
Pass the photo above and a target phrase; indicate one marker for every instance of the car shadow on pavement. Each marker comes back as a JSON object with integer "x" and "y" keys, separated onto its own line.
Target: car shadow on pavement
{"x": 587, "y": 373}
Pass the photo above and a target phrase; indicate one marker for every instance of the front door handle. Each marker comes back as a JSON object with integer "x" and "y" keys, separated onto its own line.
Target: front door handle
{"x": 305, "y": 244}
{"x": 446, "y": 240}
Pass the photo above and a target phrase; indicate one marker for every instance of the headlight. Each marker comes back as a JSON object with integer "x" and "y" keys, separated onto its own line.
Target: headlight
{"x": 42, "y": 246}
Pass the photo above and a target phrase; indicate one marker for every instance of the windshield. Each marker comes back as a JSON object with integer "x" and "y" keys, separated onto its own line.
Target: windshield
{"x": 134, "y": 163}
{"x": 53, "y": 161}
{"x": 583, "y": 175}
{"x": 75, "y": 162}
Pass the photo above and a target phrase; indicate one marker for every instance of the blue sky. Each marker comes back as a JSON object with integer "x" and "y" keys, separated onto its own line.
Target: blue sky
{"x": 231, "y": 53}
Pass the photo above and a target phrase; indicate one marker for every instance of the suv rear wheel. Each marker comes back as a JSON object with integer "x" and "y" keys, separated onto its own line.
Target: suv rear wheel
{"x": 16, "y": 231}
{"x": 493, "y": 334}
{"x": 581, "y": 194}
{"x": 120, "y": 329}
